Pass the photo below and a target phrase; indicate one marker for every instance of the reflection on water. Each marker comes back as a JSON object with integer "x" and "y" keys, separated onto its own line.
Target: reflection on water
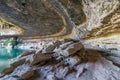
{"x": 4, "y": 64}
{"x": 6, "y": 56}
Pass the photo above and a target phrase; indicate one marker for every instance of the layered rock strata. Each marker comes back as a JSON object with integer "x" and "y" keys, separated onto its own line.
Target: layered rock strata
{"x": 37, "y": 18}
{"x": 96, "y": 23}
{"x": 68, "y": 60}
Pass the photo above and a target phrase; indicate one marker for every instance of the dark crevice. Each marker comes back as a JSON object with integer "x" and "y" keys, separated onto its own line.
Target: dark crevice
{"x": 24, "y": 4}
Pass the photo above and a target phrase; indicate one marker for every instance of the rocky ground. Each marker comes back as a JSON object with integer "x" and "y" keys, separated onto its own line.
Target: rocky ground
{"x": 62, "y": 60}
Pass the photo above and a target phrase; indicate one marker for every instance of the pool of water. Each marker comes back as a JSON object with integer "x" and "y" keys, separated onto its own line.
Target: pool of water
{"x": 6, "y": 56}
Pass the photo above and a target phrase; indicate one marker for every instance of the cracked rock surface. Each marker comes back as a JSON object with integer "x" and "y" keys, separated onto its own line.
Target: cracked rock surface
{"x": 96, "y": 23}
{"x": 63, "y": 63}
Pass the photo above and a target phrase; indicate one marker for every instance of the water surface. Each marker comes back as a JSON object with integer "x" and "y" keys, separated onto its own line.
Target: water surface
{"x": 6, "y": 56}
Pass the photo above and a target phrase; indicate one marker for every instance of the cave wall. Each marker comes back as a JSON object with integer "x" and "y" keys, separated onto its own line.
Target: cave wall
{"x": 102, "y": 29}
{"x": 94, "y": 23}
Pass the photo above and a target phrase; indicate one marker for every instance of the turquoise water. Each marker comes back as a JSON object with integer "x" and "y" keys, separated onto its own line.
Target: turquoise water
{"x": 6, "y": 56}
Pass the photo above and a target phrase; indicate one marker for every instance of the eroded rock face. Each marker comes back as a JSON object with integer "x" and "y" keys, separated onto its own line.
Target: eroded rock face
{"x": 57, "y": 65}
{"x": 75, "y": 10}
{"x": 47, "y": 17}
{"x": 36, "y": 17}
{"x": 102, "y": 16}
{"x": 97, "y": 24}
{"x": 102, "y": 29}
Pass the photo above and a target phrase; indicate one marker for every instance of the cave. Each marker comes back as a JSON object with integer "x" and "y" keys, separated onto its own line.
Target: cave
{"x": 59, "y": 39}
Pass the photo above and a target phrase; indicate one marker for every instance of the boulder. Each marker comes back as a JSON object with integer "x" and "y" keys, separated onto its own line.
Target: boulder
{"x": 75, "y": 48}
{"x": 52, "y": 47}
{"x": 39, "y": 58}
{"x": 27, "y": 53}
{"x": 12, "y": 67}
{"x": 17, "y": 63}
{"x": 30, "y": 74}
{"x": 8, "y": 70}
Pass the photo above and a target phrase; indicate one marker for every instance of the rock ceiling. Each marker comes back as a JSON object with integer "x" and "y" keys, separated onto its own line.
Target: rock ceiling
{"x": 55, "y": 18}
{"x": 38, "y": 17}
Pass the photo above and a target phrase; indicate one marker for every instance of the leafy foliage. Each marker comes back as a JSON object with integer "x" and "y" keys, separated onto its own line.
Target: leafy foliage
{"x": 11, "y": 41}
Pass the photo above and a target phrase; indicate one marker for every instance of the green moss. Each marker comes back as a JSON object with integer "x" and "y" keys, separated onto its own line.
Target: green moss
{"x": 11, "y": 41}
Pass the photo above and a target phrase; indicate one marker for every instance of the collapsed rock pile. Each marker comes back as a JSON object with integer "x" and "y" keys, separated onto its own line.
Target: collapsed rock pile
{"x": 62, "y": 60}
{"x": 59, "y": 51}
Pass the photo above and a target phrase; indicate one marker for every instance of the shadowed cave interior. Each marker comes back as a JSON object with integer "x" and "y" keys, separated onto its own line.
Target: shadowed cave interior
{"x": 59, "y": 39}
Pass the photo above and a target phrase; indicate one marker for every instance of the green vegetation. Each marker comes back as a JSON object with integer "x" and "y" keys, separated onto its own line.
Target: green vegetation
{"x": 11, "y": 41}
